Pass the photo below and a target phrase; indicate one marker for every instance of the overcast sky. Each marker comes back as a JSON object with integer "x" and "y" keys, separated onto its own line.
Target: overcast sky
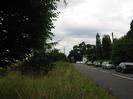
{"x": 80, "y": 21}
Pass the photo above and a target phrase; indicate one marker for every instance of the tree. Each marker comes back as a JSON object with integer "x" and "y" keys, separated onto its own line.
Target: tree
{"x": 106, "y": 47}
{"x": 82, "y": 47}
{"x": 71, "y": 56}
{"x": 130, "y": 32}
{"x": 123, "y": 48}
{"x": 55, "y": 55}
{"x": 81, "y": 50}
{"x": 77, "y": 53}
{"x": 98, "y": 47}
{"x": 25, "y": 26}
{"x": 90, "y": 52}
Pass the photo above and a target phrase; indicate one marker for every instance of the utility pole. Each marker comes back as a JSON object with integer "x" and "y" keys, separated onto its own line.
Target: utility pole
{"x": 112, "y": 37}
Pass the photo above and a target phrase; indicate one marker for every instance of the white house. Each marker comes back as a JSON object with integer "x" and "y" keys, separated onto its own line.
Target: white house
{"x": 84, "y": 59}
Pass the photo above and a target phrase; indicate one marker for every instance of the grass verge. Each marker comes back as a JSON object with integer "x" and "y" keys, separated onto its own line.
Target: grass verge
{"x": 65, "y": 82}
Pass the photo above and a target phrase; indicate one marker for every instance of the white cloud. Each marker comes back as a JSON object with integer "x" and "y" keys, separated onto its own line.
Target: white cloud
{"x": 82, "y": 19}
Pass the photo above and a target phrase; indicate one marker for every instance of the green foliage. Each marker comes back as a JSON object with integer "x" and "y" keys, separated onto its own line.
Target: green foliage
{"x": 3, "y": 72}
{"x": 130, "y": 32}
{"x": 82, "y": 47}
{"x": 39, "y": 63}
{"x": 90, "y": 52}
{"x": 42, "y": 62}
{"x": 77, "y": 53}
{"x": 25, "y": 25}
{"x": 55, "y": 55}
{"x": 72, "y": 56}
{"x": 122, "y": 50}
{"x": 65, "y": 82}
{"x": 98, "y": 47}
{"x": 106, "y": 47}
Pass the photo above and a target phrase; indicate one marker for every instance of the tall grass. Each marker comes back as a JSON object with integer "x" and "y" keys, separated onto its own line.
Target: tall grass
{"x": 65, "y": 82}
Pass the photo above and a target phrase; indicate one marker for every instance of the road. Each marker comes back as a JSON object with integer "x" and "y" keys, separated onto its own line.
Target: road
{"x": 118, "y": 84}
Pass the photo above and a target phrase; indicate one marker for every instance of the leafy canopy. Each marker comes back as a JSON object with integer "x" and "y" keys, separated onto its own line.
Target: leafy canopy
{"x": 25, "y": 26}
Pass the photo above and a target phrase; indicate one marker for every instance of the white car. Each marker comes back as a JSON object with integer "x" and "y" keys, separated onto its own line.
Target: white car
{"x": 97, "y": 63}
{"x": 124, "y": 67}
{"x": 89, "y": 63}
{"x": 104, "y": 64}
{"x": 79, "y": 62}
{"x": 107, "y": 65}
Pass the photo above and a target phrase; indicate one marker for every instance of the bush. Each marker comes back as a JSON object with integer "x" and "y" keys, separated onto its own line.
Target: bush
{"x": 39, "y": 63}
{"x": 3, "y": 71}
{"x": 55, "y": 56}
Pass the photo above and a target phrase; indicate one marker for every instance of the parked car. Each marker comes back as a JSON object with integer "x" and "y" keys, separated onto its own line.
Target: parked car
{"x": 124, "y": 67}
{"x": 79, "y": 62}
{"x": 97, "y": 63}
{"x": 104, "y": 64}
{"x": 108, "y": 65}
{"x": 89, "y": 63}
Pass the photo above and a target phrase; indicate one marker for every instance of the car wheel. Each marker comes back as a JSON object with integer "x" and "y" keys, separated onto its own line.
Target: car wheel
{"x": 120, "y": 69}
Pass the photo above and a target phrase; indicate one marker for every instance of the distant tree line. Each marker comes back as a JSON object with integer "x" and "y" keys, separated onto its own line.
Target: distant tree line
{"x": 115, "y": 50}
{"x": 100, "y": 51}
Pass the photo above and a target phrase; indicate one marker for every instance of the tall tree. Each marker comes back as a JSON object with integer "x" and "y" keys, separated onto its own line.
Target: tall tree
{"x": 130, "y": 32}
{"x": 98, "y": 47}
{"x": 106, "y": 47}
{"x": 90, "y": 52}
{"x": 77, "y": 53}
{"x": 123, "y": 48}
{"x": 25, "y": 25}
{"x": 82, "y": 47}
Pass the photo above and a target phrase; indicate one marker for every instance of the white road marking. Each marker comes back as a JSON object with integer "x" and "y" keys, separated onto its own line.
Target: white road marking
{"x": 122, "y": 77}
{"x": 100, "y": 70}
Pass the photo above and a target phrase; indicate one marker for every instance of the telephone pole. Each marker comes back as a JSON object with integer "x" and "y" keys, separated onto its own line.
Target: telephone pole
{"x": 112, "y": 37}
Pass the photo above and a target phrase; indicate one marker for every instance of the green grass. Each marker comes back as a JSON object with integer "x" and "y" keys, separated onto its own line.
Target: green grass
{"x": 65, "y": 82}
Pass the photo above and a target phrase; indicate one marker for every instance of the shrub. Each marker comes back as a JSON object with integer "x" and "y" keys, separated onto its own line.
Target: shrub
{"x": 39, "y": 63}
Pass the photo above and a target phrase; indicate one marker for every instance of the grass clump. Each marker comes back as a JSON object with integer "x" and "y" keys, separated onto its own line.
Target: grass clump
{"x": 64, "y": 82}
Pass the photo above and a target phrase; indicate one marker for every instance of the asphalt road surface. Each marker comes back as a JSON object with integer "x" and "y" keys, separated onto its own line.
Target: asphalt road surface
{"x": 118, "y": 84}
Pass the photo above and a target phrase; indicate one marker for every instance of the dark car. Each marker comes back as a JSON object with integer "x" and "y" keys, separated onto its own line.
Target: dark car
{"x": 125, "y": 67}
